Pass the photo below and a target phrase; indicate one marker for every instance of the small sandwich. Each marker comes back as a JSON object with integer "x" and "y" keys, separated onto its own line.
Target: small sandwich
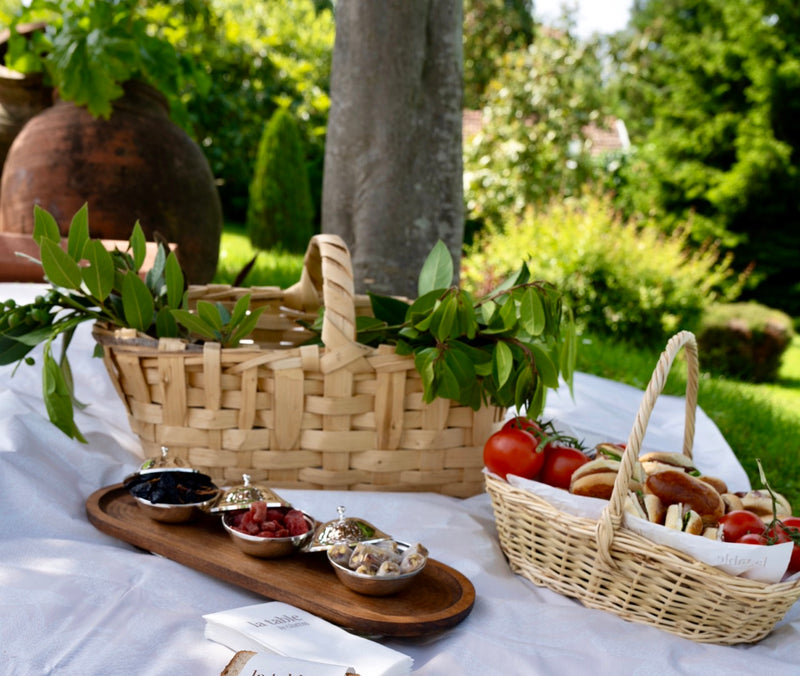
{"x": 684, "y": 519}
{"x": 675, "y": 486}
{"x": 656, "y": 461}
{"x": 760, "y": 503}
{"x": 595, "y": 479}
{"x": 646, "y": 506}
{"x": 732, "y": 502}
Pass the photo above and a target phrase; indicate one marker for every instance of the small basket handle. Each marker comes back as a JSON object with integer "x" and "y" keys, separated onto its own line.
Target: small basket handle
{"x": 611, "y": 518}
{"x": 327, "y": 279}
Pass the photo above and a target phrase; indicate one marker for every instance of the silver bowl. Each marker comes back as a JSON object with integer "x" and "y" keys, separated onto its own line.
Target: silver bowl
{"x": 268, "y": 548}
{"x": 373, "y": 585}
{"x": 177, "y": 513}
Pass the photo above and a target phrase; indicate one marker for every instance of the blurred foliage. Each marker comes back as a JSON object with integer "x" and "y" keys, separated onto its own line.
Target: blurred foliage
{"x": 531, "y": 145}
{"x": 491, "y": 28}
{"x": 280, "y": 214}
{"x": 623, "y": 278}
{"x": 710, "y": 90}
{"x": 744, "y": 340}
{"x": 258, "y": 56}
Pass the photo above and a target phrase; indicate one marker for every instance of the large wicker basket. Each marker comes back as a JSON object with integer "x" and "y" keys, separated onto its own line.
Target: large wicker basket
{"x": 340, "y": 416}
{"x": 606, "y": 566}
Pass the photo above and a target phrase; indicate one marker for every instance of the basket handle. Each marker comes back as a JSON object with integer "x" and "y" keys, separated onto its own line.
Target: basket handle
{"x": 611, "y": 518}
{"x": 327, "y": 279}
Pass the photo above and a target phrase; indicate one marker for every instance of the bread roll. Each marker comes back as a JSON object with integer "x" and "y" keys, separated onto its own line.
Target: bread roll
{"x": 732, "y": 502}
{"x": 655, "y": 461}
{"x": 595, "y": 479}
{"x": 760, "y": 503}
{"x": 716, "y": 482}
{"x": 676, "y": 486}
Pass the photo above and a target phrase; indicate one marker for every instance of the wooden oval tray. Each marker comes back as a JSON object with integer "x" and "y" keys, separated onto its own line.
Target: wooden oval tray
{"x": 440, "y": 597}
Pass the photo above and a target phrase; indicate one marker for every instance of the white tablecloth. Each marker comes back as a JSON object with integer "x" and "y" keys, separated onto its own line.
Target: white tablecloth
{"x": 74, "y": 601}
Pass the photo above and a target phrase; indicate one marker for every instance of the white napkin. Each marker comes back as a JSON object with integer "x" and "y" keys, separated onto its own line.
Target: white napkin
{"x": 285, "y": 630}
{"x": 261, "y": 664}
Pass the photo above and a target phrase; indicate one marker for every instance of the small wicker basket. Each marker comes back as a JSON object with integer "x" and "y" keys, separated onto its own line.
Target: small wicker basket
{"x": 606, "y": 566}
{"x": 341, "y": 416}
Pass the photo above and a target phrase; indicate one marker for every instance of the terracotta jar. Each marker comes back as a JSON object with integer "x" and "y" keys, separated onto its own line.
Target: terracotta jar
{"x": 136, "y": 165}
{"x": 21, "y": 96}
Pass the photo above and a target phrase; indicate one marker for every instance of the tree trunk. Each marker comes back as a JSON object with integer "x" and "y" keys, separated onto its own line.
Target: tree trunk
{"x": 393, "y": 161}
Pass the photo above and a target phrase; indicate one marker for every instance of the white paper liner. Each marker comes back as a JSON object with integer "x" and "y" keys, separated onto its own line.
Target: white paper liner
{"x": 756, "y": 562}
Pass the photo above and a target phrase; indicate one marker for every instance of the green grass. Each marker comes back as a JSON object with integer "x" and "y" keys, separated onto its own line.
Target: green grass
{"x": 272, "y": 268}
{"x": 758, "y": 421}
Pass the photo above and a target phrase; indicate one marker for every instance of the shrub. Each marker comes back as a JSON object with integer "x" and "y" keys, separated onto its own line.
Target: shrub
{"x": 625, "y": 279}
{"x": 280, "y": 213}
{"x": 744, "y": 340}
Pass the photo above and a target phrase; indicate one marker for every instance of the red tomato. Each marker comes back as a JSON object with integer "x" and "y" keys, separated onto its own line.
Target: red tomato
{"x": 792, "y": 526}
{"x": 752, "y": 539}
{"x": 513, "y": 451}
{"x": 523, "y": 423}
{"x": 560, "y": 461}
{"x": 737, "y": 523}
{"x": 777, "y": 534}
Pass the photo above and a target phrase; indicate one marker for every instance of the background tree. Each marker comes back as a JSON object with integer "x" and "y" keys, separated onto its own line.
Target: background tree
{"x": 280, "y": 213}
{"x": 713, "y": 95}
{"x": 532, "y": 145}
{"x": 491, "y": 28}
{"x": 258, "y": 56}
{"x": 393, "y": 164}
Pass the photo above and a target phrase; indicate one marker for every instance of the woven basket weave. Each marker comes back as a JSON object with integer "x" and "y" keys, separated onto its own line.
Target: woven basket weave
{"x": 341, "y": 416}
{"x": 606, "y": 566}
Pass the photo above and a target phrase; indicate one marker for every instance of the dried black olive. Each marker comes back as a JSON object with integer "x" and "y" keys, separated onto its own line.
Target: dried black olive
{"x": 173, "y": 488}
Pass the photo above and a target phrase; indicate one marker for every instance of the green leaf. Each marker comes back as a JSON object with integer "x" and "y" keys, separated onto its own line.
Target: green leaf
{"x": 545, "y": 365}
{"x": 175, "y": 281}
{"x": 57, "y": 397}
{"x": 569, "y": 353}
{"x": 437, "y": 271}
{"x": 196, "y": 325}
{"x": 466, "y": 320}
{"x": 137, "y": 302}
{"x": 44, "y": 226}
{"x": 155, "y": 275}
{"x": 502, "y": 363}
{"x": 60, "y": 269}
{"x": 464, "y": 371}
{"x": 166, "y": 326}
{"x": 209, "y": 313}
{"x": 240, "y": 309}
{"x": 448, "y": 385}
{"x": 78, "y": 233}
{"x": 524, "y": 388}
{"x": 423, "y": 361}
{"x": 531, "y": 312}
{"x": 388, "y": 309}
{"x": 138, "y": 246}
{"x": 443, "y": 319}
{"x": 99, "y": 276}
{"x": 422, "y": 305}
{"x": 245, "y": 328}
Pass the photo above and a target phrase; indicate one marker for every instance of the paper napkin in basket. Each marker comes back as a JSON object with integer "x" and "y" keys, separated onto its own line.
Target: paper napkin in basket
{"x": 282, "y": 629}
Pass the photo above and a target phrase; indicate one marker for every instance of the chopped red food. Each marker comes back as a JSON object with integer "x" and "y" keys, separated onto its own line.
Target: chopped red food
{"x": 270, "y": 523}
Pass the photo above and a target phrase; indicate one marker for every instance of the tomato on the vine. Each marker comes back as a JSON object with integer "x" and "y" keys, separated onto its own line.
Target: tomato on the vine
{"x": 513, "y": 451}
{"x": 790, "y": 528}
{"x": 520, "y": 422}
{"x": 753, "y": 539}
{"x": 737, "y": 523}
{"x": 560, "y": 461}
